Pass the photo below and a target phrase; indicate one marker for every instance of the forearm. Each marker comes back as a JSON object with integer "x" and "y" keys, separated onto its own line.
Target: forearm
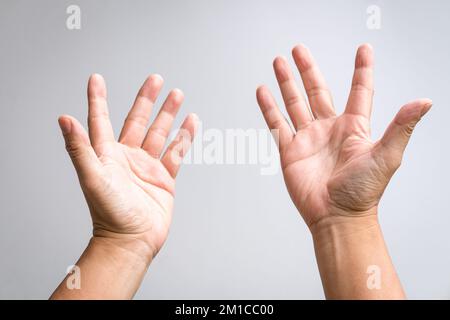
{"x": 109, "y": 269}
{"x": 353, "y": 259}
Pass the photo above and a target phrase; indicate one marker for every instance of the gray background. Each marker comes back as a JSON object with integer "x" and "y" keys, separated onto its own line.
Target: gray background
{"x": 235, "y": 233}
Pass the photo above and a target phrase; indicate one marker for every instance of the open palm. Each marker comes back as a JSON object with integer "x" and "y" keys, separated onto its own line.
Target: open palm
{"x": 330, "y": 165}
{"x": 129, "y": 184}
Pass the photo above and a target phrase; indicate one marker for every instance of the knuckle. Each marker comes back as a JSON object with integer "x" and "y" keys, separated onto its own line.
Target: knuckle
{"x": 292, "y": 100}
{"x": 159, "y": 131}
{"x": 73, "y": 150}
{"x": 276, "y": 123}
{"x": 315, "y": 91}
{"x": 361, "y": 87}
{"x": 409, "y": 128}
{"x": 140, "y": 120}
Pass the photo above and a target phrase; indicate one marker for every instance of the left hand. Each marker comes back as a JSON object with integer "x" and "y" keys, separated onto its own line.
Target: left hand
{"x": 129, "y": 184}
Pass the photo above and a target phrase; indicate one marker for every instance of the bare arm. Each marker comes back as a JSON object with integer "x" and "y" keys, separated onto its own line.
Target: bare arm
{"x": 353, "y": 259}
{"x": 108, "y": 269}
{"x": 128, "y": 185}
{"x": 336, "y": 174}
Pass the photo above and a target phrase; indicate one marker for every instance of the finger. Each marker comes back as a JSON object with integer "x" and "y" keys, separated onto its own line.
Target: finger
{"x": 78, "y": 147}
{"x": 274, "y": 118}
{"x": 159, "y": 130}
{"x": 133, "y": 131}
{"x": 175, "y": 152}
{"x": 399, "y": 131}
{"x": 316, "y": 88}
{"x": 294, "y": 101}
{"x": 361, "y": 93}
{"x": 100, "y": 129}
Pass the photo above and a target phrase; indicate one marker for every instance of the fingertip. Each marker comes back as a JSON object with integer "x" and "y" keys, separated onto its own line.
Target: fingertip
{"x": 262, "y": 94}
{"x": 194, "y": 117}
{"x": 96, "y": 85}
{"x": 419, "y": 103}
{"x": 364, "y": 56}
{"x": 260, "y": 89}
{"x": 65, "y": 124}
{"x": 413, "y": 111}
{"x": 96, "y": 78}
{"x": 195, "y": 120}
{"x": 279, "y": 63}
{"x": 279, "y": 60}
{"x": 302, "y": 57}
{"x": 426, "y": 106}
{"x": 365, "y": 47}
{"x": 63, "y": 116}
{"x": 177, "y": 95}
{"x": 157, "y": 76}
{"x": 280, "y": 66}
{"x": 425, "y": 109}
{"x": 151, "y": 87}
{"x": 300, "y": 49}
{"x": 190, "y": 125}
{"x": 155, "y": 79}
{"x": 425, "y": 101}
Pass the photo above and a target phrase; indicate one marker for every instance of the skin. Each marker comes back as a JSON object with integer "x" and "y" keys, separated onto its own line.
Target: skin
{"x": 335, "y": 174}
{"x": 129, "y": 187}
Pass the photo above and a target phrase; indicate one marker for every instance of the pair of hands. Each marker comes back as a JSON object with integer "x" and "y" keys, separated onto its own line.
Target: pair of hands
{"x": 331, "y": 167}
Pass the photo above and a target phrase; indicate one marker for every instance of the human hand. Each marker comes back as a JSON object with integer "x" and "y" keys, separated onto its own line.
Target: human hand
{"x": 330, "y": 165}
{"x": 129, "y": 184}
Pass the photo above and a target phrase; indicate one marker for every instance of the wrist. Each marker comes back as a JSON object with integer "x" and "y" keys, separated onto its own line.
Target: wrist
{"x": 123, "y": 249}
{"x": 109, "y": 268}
{"x": 344, "y": 225}
{"x": 353, "y": 259}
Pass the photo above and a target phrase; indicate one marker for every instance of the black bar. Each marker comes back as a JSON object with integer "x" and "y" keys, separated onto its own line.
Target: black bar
{"x": 227, "y": 309}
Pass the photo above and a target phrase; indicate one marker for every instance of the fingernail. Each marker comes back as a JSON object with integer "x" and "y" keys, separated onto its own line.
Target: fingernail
{"x": 426, "y": 108}
{"x": 65, "y": 125}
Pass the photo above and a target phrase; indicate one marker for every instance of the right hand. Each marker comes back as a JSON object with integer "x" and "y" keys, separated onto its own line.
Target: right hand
{"x": 330, "y": 165}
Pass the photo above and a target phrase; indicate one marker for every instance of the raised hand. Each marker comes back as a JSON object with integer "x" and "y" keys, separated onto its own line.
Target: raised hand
{"x": 129, "y": 184}
{"x": 336, "y": 174}
{"x": 331, "y": 166}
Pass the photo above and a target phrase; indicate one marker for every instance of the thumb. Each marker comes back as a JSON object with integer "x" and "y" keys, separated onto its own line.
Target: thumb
{"x": 399, "y": 131}
{"x": 78, "y": 146}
